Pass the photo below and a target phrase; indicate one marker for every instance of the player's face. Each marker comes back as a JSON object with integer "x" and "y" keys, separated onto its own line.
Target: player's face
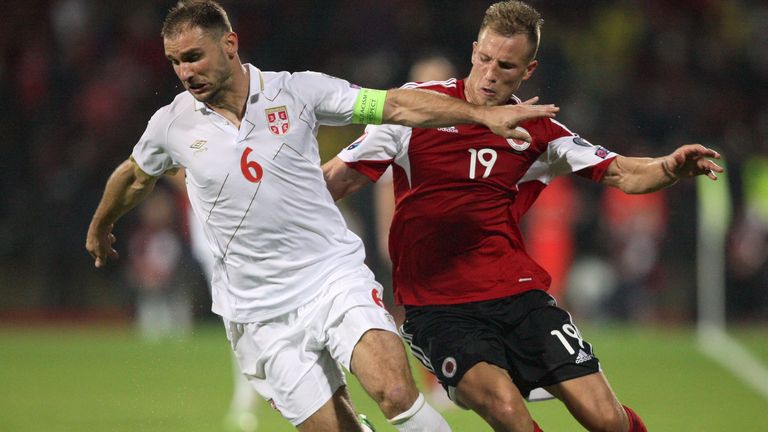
{"x": 202, "y": 62}
{"x": 499, "y": 65}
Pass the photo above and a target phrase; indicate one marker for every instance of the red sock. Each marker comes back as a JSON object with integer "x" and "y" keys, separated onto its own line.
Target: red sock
{"x": 635, "y": 423}
{"x": 536, "y": 428}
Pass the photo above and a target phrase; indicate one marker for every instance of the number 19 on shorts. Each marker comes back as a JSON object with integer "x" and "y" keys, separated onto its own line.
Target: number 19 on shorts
{"x": 571, "y": 331}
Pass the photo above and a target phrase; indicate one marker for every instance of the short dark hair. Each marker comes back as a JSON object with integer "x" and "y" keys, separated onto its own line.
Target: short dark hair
{"x": 509, "y": 18}
{"x": 208, "y": 15}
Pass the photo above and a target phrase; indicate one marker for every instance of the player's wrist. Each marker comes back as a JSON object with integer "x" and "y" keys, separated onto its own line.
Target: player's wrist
{"x": 666, "y": 168}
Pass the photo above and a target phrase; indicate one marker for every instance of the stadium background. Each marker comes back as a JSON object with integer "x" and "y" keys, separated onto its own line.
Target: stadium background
{"x": 80, "y": 78}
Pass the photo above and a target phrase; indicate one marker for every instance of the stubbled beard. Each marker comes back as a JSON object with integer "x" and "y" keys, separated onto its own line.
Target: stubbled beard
{"x": 216, "y": 95}
{"x": 213, "y": 96}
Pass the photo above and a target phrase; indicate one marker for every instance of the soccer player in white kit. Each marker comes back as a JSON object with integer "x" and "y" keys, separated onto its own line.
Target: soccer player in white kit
{"x": 289, "y": 279}
{"x": 477, "y": 312}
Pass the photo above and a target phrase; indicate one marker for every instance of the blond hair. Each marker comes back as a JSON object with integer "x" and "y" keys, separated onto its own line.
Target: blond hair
{"x": 509, "y": 18}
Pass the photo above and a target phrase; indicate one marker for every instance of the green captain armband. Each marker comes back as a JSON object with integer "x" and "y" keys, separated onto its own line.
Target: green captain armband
{"x": 369, "y": 106}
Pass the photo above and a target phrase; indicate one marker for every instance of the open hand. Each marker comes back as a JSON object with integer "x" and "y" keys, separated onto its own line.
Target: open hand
{"x": 503, "y": 120}
{"x": 692, "y": 160}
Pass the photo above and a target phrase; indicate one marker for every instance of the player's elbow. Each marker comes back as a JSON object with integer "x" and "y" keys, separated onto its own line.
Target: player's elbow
{"x": 139, "y": 183}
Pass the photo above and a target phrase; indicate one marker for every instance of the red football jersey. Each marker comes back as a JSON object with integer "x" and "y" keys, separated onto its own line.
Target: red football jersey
{"x": 454, "y": 238}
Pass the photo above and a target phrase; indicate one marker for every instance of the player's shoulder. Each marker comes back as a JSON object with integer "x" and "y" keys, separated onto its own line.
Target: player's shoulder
{"x": 272, "y": 78}
{"x": 298, "y": 79}
{"x": 546, "y": 130}
{"x": 182, "y": 104}
{"x": 305, "y": 83}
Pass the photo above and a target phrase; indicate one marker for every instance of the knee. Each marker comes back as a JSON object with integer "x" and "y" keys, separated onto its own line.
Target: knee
{"x": 504, "y": 409}
{"x": 608, "y": 419}
{"x": 396, "y": 396}
{"x": 501, "y": 408}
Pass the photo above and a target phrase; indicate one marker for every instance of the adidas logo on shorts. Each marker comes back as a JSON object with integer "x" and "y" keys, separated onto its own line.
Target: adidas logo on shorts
{"x": 582, "y": 357}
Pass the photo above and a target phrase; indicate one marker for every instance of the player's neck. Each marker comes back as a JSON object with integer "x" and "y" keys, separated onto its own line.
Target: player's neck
{"x": 468, "y": 92}
{"x": 232, "y": 103}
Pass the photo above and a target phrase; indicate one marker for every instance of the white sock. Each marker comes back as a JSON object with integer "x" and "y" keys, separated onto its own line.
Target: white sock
{"x": 420, "y": 417}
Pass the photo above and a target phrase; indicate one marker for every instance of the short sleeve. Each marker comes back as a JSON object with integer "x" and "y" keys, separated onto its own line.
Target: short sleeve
{"x": 151, "y": 153}
{"x": 332, "y": 99}
{"x": 569, "y": 154}
{"x": 376, "y": 149}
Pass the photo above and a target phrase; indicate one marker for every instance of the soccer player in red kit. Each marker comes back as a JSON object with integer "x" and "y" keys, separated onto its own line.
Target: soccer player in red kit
{"x": 477, "y": 311}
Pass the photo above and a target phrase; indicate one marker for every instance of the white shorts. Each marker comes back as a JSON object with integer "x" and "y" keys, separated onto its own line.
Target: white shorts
{"x": 293, "y": 360}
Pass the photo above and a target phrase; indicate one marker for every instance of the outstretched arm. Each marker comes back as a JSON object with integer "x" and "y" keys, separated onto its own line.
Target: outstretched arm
{"x": 636, "y": 175}
{"x": 127, "y": 186}
{"x": 342, "y": 180}
{"x": 427, "y": 109}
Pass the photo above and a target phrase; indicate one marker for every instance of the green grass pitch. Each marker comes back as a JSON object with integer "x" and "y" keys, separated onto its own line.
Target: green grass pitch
{"x": 101, "y": 378}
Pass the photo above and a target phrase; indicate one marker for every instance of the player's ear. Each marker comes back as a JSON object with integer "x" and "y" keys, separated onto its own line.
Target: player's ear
{"x": 230, "y": 44}
{"x": 530, "y": 69}
{"x": 474, "y": 50}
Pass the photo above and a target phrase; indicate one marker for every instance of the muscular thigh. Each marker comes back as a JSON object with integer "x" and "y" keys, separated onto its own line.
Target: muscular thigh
{"x": 379, "y": 360}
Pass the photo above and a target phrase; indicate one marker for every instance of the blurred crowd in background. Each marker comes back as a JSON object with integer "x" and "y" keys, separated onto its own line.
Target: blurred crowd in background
{"x": 80, "y": 78}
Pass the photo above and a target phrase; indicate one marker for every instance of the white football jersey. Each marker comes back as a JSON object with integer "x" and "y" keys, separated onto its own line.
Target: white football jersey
{"x": 274, "y": 231}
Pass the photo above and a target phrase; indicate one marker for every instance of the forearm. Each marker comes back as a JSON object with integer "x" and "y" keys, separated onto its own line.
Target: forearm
{"x": 426, "y": 109}
{"x": 635, "y": 175}
{"x": 124, "y": 190}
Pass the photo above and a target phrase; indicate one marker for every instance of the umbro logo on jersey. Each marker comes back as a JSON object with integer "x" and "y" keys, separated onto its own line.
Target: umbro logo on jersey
{"x": 199, "y": 146}
{"x": 583, "y": 357}
{"x": 519, "y": 145}
{"x": 450, "y": 129}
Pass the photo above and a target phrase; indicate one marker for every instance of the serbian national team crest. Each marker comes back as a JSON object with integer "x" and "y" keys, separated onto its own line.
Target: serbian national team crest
{"x": 277, "y": 120}
{"x": 519, "y": 145}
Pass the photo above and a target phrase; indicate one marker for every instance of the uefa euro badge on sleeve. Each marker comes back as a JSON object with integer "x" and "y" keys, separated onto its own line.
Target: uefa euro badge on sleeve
{"x": 277, "y": 120}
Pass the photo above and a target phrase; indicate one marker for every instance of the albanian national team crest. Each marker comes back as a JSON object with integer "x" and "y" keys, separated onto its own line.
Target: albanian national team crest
{"x": 519, "y": 145}
{"x": 277, "y": 120}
